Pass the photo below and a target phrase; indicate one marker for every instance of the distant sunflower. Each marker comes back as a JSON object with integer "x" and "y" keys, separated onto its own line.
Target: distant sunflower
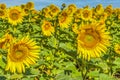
{"x": 64, "y": 19}
{"x": 54, "y": 10}
{"x": 2, "y": 14}
{"x": 75, "y": 28}
{"x": 3, "y": 6}
{"x": 22, "y": 6}
{"x": 23, "y": 52}
{"x": 71, "y": 9}
{"x": 77, "y": 15}
{"x": 6, "y": 41}
{"x": 99, "y": 9}
{"x": 109, "y": 10}
{"x": 86, "y": 14}
{"x": 46, "y": 12}
{"x": 30, "y": 5}
{"x": 117, "y": 48}
{"x": 92, "y": 40}
{"x": 47, "y": 28}
{"x": 15, "y": 15}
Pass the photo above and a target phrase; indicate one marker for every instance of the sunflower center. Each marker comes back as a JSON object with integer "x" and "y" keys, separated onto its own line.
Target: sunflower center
{"x": 1, "y": 13}
{"x": 85, "y": 14}
{"x": 54, "y": 10}
{"x": 18, "y": 53}
{"x": 89, "y": 39}
{"x": 47, "y": 26}
{"x": 14, "y": 14}
{"x": 63, "y": 19}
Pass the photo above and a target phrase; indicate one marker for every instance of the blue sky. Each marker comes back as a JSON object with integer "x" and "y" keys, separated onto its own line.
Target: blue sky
{"x": 39, "y": 4}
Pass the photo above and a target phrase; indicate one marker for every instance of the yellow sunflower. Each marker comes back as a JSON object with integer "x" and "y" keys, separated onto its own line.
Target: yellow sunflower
{"x": 86, "y": 14}
{"x": 71, "y": 9}
{"x": 109, "y": 10}
{"x": 6, "y": 41}
{"x": 64, "y": 19}
{"x": 117, "y": 48}
{"x": 75, "y": 28}
{"x": 30, "y": 5}
{"x": 15, "y": 15}
{"x": 54, "y": 10}
{"x": 26, "y": 11}
{"x": 22, "y": 6}
{"x": 99, "y": 9}
{"x": 22, "y": 53}
{"x": 3, "y": 6}
{"x": 77, "y": 15}
{"x": 46, "y": 12}
{"x": 92, "y": 40}
{"x": 2, "y": 14}
{"x": 47, "y": 28}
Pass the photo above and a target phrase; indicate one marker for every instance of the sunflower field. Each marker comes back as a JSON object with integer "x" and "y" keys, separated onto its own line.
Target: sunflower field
{"x": 59, "y": 43}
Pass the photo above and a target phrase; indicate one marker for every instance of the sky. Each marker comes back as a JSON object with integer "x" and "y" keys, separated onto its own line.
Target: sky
{"x": 39, "y": 4}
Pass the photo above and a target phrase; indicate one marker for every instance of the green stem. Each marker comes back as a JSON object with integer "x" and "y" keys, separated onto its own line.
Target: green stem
{"x": 83, "y": 68}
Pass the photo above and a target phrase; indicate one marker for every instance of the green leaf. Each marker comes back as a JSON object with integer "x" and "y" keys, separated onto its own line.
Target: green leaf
{"x": 34, "y": 71}
{"x": 105, "y": 77}
{"x": 93, "y": 73}
{"x": 52, "y": 42}
{"x": 2, "y": 62}
{"x": 16, "y": 76}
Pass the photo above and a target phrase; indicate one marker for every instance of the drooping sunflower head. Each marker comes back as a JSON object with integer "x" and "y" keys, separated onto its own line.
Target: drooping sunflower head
{"x": 2, "y": 14}
{"x": 47, "y": 28}
{"x": 92, "y": 41}
{"x": 3, "y": 6}
{"x": 30, "y": 5}
{"x": 117, "y": 48}
{"x": 64, "y": 19}
{"x": 15, "y": 15}
{"x": 22, "y": 53}
{"x": 86, "y": 14}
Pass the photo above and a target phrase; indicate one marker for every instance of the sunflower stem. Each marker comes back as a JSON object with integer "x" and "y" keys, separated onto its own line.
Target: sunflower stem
{"x": 84, "y": 70}
{"x": 111, "y": 62}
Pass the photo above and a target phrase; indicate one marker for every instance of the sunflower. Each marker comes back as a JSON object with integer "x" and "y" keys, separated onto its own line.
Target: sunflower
{"x": 64, "y": 19}
{"x": 46, "y": 12}
{"x": 71, "y": 9}
{"x": 2, "y": 14}
{"x": 30, "y": 5}
{"x": 117, "y": 48}
{"x": 92, "y": 40}
{"x": 3, "y": 6}
{"x": 22, "y": 6}
{"x": 54, "y": 10}
{"x": 75, "y": 28}
{"x": 15, "y": 15}
{"x": 6, "y": 41}
{"x": 103, "y": 16}
{"x": 22, "y": 53}
{"x": 99, "y": 9}
{"x": 77, "y": 15}
{"x": 86, "y": 14}
{"x": 47, "y": 28}
{"x": 109, "y": 10}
